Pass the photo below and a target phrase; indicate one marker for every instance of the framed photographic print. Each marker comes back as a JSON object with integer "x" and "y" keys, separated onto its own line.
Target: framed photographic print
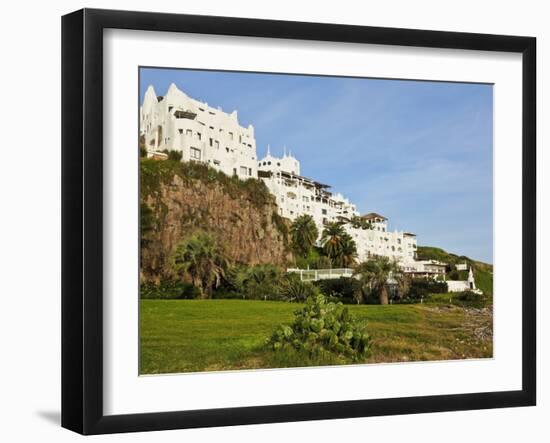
{"x": 269, "y": 221}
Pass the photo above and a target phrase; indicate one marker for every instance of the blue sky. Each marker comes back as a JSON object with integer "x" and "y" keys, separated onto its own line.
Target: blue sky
{"x": 418, "y": 152}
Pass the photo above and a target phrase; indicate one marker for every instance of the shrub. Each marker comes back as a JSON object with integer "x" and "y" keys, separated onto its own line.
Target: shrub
{"x": 341, "y": 288}
{"x": 169, "y": 290}
{"x": 423, "y": 287}
{"x": 174, "y": 155}
{"x": 294, "y": 289}
{"x": 320, "y": 328}
{"x": 310, "y": 260}
{"x": 471, "y": 298}
{"x": 255, "y": 282}
{"x": 323, "y": 262}
{"x": 146, "y": 221}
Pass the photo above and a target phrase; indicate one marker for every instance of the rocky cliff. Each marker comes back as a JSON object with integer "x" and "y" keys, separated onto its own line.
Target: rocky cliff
{"x": 178, "y": 199}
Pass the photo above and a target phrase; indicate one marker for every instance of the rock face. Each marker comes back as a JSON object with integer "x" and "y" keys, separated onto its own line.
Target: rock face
{"x": 250, "y": 233}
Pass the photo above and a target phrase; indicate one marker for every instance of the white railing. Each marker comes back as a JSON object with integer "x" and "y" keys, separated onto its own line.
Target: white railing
{"x": 321, "y": 274}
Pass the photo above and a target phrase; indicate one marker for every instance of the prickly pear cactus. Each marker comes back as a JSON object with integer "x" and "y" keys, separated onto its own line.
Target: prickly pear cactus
{"x": 322, "y": 326}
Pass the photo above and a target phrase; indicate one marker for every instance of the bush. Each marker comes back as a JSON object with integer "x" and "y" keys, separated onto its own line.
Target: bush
{"x": 310, "y": 260}
{"x": 293, "y": 289}
{"x": 322, "y": 328}
{"x": 259, "y": 282}
{"x": 470, "y": 298}
{"x": 169, "y": 290}
{"x": 420, "y": 288}
{"x": 174, "y": 155}
{"x": 341, "y": 288}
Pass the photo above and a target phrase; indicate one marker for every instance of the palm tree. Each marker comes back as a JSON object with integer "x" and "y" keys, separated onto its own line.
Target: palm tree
{"x": 349, "y": 252}
{"x": 200, "y": 257}
{"x": 338, "y": 245}
{"x": 373, "y": 277}
{"x": 304, "y": 234}
{"x": 331, "y": 240}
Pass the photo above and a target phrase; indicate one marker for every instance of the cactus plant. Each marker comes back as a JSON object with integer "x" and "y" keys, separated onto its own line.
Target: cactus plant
{"x": 322, "y": 326}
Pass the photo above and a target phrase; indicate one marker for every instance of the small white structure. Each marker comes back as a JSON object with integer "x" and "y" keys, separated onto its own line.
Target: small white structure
{"x": 176, "y": 122}
{"x": 462, "y": 266}
{"x": 464, "y": 285}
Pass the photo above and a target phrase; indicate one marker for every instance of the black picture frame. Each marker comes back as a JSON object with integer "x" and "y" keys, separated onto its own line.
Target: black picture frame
{"x": 82, "y": 218}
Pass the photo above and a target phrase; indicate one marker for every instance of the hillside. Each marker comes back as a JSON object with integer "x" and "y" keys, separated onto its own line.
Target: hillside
{"x": 179, "y": 199}
{"x": 483, "y": 272}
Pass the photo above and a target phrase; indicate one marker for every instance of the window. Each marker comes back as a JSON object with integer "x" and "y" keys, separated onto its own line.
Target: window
{"x": 240, "y": 138}
{"x": 231, "y": 135}
{"x": 244, "y": 170}
{"x": 211, "y": 127}
{"x": 200, "y": 109}
{"x": 180, "y": 131}
{"x": 188, "y": 132}
{"x": 170, "y": 108}
{"x": 324, "y": 211}
{"x": 250, "y": 172}
{"x": 195, "y": 153}
{"x": 217, "y": 144}
{"x": 211, "y": 141}
{"x": 234, "y": 171}
{"x": 199, "y": 135}
{"x": 217, "y": 162}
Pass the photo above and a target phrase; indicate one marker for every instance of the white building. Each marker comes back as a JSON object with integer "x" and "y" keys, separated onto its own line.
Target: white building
{"x": 176, "y": 122}
{"x": 378, "y": 241}
{"x": 297, "y": 195}
{"x": 424, "y": 268}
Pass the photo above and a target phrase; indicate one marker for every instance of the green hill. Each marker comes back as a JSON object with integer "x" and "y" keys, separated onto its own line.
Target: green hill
{"x": 483, "y": 272}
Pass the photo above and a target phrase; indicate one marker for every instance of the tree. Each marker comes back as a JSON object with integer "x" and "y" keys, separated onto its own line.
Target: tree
{"x": 338, "y": 245}
{"x": 332, "y": 240}
{"x": 349, "y": 252}
{"x": 304, "y": 234}
{"x": 373, "y": 277}
{"x": 200, "y": 257}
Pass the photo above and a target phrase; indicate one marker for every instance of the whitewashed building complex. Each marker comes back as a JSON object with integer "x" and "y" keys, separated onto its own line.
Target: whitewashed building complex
{"x": 177, "y": 122}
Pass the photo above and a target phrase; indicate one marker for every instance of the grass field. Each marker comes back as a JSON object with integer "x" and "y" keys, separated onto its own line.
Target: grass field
{"x": 211, "y": 335}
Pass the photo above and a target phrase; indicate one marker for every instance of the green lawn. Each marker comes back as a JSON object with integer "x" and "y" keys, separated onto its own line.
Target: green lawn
{"x": 211, "y": 335}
